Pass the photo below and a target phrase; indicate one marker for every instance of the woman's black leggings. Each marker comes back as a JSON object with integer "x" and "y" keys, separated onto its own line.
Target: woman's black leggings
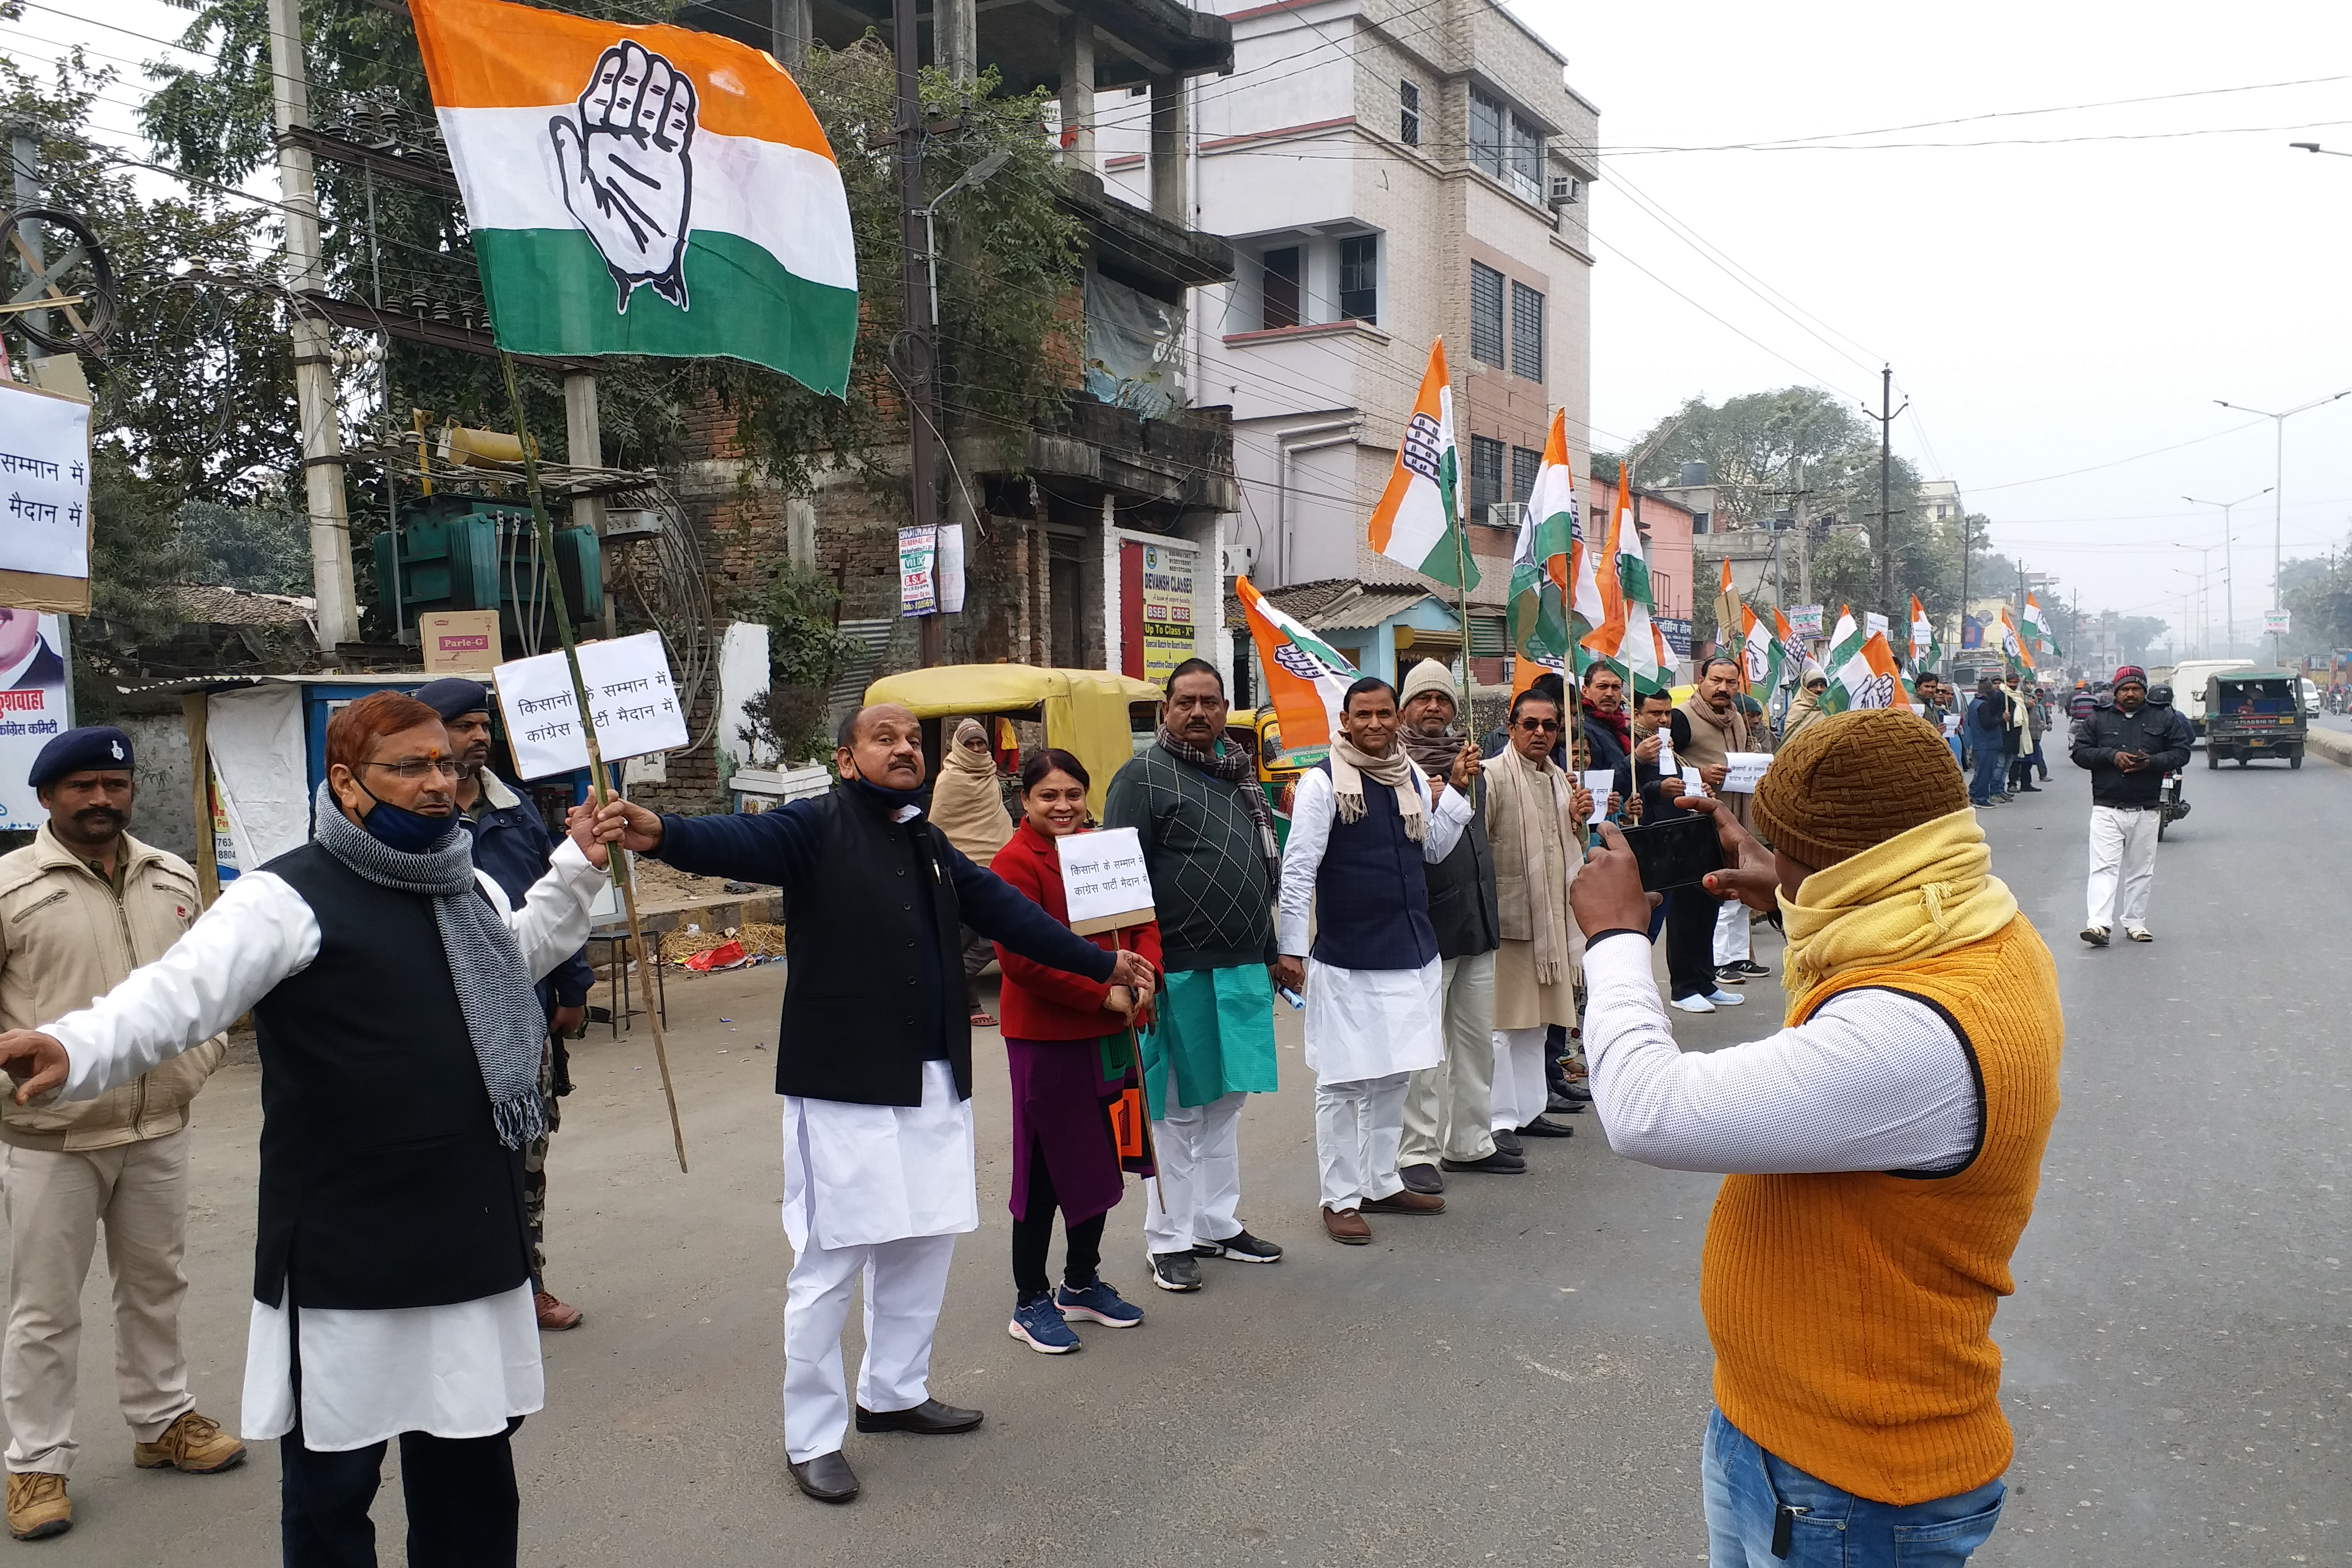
{"x": 1031, "y": 1236}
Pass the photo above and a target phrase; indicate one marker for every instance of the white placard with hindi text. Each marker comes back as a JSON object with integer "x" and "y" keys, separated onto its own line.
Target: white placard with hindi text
{"x": 1694, "y": 781}
{"x": 45, "y": 470}
{"x": 632, "y": 696}
{"x": 1744, "y": 771}
{"x": 1105, "y": 880}
{"x": 1598, "y": 782}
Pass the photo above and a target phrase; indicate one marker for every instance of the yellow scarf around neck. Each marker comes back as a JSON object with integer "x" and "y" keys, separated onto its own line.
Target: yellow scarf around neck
{"x": 1920, "y": 893}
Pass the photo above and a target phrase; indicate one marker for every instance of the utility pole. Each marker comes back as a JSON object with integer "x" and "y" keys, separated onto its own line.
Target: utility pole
{"x": 1887, "y": 415}
{"x": 314, "y": 371}
{"x": 913, "y": 355}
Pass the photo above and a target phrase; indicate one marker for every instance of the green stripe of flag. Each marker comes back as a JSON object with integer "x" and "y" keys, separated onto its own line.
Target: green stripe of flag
{"x": 550, "y": 293}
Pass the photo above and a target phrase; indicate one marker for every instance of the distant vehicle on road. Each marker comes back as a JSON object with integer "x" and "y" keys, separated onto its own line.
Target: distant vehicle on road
{"x": 2253, "y": 714}
{"x": 2310, "y": 698}
{"x": 2188, "y": 680}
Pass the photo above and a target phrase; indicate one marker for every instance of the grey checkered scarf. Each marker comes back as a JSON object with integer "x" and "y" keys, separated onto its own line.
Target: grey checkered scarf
{"x": 1233, "y": 766}
{"x": 494, "y": 986}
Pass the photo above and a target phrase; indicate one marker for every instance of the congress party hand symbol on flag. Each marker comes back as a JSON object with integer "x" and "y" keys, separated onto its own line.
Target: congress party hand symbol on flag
{"x": 1926, "y": 652}
{"x": 1867, "y": 678}
{"x": 2011, "y": 644}
{"x": 642, "y": 189}
{"x": 1418, "y": 523}
{"x": 1762, "y": 653}
{"x": 1540, "y": 563}
{"x": 1306, "y": 679}
{"x": 2037, "y": 628}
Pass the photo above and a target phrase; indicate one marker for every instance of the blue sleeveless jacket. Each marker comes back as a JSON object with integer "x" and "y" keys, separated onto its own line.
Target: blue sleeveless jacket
{"x": 1371, "y": 892}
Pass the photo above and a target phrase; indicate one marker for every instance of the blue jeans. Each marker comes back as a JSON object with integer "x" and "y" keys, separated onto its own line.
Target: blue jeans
{"x": 1993, "y": 768}
{"x": 1746, "y": 1488}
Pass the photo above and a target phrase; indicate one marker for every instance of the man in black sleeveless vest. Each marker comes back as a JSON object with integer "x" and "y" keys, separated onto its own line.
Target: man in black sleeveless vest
{"x": 873, "y": 1060}
{"x": 391, "y": 984}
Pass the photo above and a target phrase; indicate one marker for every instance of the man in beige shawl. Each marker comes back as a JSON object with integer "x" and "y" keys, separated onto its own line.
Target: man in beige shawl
{"x": 1531, "y": 811}
{"x": 968, "y": 806}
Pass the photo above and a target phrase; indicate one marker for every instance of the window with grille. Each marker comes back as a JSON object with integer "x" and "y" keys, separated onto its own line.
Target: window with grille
{"x": 1527, "y": 331}
{"x": 1486, "y": 473}
{"x": 1485, "y": 314}
{"x": 1486, "y": 131}
{"x": 1409, "y": 99}
{"x": 1527, "y": 152}
{"x": 1281, "y": 268}
{"x": 1360, "y": 279}
{"x": 1490, "y": 637}
{"x": 1525, "y": 462}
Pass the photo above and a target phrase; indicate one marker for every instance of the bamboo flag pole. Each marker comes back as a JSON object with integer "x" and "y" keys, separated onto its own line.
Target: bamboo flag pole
{"x": 597, "y": 793}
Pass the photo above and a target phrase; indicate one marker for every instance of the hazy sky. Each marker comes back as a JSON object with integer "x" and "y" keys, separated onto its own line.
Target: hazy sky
{"x": 2049, "y": 308}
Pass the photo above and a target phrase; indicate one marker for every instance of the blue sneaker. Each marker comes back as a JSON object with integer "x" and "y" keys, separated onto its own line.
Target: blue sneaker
{"x": 1097, "y": 1303}
{"x": 1039, "y": 1322}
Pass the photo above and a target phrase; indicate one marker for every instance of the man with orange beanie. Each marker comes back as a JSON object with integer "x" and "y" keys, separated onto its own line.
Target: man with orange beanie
{"x": 1882, "y": 1151}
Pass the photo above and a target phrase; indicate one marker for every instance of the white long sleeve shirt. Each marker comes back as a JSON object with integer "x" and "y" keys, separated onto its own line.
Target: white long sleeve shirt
{"x": 1311, "y": 812}
{"x": 1875, "y": 1081}
{"x": 455, "y": 1370}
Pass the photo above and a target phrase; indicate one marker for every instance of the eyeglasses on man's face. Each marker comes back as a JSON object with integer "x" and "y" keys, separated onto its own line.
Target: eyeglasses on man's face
{"x": 417, "y": 767}
{"x": 1536, "y": 726}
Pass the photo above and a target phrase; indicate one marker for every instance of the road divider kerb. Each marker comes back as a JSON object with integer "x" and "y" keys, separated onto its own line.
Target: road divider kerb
{"x": 2333, "y": 744}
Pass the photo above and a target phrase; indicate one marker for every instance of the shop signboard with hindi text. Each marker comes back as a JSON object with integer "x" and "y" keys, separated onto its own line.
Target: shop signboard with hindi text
{"x": 632, "y": 696}
{"x": 32, "y": 706}
{"x": 918, "y": 570}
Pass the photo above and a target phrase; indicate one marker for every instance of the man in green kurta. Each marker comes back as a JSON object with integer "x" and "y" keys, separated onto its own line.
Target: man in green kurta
{"x": 1208, "y": 841}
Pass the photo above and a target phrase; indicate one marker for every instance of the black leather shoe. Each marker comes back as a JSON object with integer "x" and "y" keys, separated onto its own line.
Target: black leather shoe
{"x": 1540, "y": 1128}
{"x": 827, "y": 1478}
{"x": 1423, "y": 1179}
{"x": 1495, "y": 1164}
{"x": 1578, "y": 1090}
{"x": 1509, "y": 1143}
{"x": 929, "y": 1419}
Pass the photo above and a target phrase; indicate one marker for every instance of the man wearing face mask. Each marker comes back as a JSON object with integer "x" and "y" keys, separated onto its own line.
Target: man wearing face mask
{"x": 874, "y": 1062}
{"x": 512, "y": 845}
{"x": 81, "y": 907}
{"x": 391, "y": 984}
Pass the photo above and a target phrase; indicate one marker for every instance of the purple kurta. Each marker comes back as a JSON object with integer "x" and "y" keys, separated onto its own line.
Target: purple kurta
{"x": 1061, "y": 1106}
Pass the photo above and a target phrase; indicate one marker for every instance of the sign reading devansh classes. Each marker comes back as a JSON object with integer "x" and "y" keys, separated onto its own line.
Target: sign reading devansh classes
{"x": 1105, "y": 880}
{"x": 634, "y": 705}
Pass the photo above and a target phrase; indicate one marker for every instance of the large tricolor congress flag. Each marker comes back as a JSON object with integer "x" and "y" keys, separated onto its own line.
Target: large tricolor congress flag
{"x": 645, "y": 190}
{"x": 1306, "y": 677}
{"x": 1418, "y": 523}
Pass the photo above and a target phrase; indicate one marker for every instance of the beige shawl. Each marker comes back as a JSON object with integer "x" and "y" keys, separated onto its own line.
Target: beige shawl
{"x": 1515, "y": 792}
{"x": 1349, "y": 767}
{"x": 966, "y": 803}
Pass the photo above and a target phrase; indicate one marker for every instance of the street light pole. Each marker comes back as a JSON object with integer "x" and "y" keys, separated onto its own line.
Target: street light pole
{"x": 2228, "y": 573}
{"x": 2278, "y": 480}
{"x": 2204, "y": 597}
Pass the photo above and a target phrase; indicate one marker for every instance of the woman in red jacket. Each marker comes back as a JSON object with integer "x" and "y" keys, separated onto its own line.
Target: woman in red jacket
{"x": 1066, "y": 1040}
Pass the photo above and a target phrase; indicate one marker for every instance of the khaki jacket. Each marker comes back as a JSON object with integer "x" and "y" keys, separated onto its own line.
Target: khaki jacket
{"x": 65, "y": 938}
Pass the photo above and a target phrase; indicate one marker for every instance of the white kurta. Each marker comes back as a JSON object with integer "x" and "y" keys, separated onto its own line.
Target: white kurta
{"x": 858, "y": 1175}
{"x": 455, "y": 1370}
{"x": 1362, "y": 1023}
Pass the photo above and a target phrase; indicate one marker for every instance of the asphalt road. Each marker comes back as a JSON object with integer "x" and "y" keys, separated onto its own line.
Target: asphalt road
{"x": 1521, "y": 1380}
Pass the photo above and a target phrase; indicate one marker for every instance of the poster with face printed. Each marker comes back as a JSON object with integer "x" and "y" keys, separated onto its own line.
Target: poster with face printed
{"x": 32, "y": 708}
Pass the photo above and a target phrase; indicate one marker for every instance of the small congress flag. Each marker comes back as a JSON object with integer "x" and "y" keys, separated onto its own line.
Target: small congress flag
{"x": 1868, "y": 678}
{"x": 1539, "y": 566}
{"x": 1762, "y": 655}
{"x": 1630, "y": 640}
{"x": 2013, "y": 644}
{"x": 2037, "y": 628}
{"x": 642, "y": 190}
{"x": 1926, "y": 650}
{"x": 1307, "y": 678}
{"x": 1418, "y": 523}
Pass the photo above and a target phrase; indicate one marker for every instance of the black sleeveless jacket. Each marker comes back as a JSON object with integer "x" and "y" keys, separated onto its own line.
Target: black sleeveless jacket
{"x": 383, "y": 1180}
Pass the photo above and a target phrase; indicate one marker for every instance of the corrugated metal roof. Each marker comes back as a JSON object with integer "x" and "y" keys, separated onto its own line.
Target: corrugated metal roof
{"x": 1367, "y": 610}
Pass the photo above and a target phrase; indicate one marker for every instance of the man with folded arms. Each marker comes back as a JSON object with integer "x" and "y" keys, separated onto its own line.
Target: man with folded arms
{"x": 1883, "y": 1149}
{"x": 874, "y": 1063}
{"x": 1362, "y": 826}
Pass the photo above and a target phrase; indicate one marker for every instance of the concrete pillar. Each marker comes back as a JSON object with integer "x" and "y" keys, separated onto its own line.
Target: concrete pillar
{"x": 1169, "y": 137}
{"x": 1114, "y": 625}
{"x": 583, "y": 448}
{"x": 957, "y": 40}
{"x": 1078, "y": 94}
{"x": 790, "y": 32}
{"x": 800, "y": 530}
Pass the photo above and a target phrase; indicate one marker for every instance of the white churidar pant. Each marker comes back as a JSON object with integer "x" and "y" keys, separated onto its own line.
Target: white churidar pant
{"x": 1521, "y": 1094}
{"x": 881, "y": 1190}
{"x": 1358, "y": 1124}
{"x": 1730, "y": 933}
{"x": 1198, "y": 1194}
{"x": 2123, "y": 845}
{"x": 1446, "y": 1106}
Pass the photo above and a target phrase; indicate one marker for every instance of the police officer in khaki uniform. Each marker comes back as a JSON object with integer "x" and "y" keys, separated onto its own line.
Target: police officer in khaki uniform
{"x": 80, "y": 908}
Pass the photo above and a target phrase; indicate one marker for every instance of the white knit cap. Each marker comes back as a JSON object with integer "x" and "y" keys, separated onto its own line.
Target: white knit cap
{"x": 1429, "y": 675}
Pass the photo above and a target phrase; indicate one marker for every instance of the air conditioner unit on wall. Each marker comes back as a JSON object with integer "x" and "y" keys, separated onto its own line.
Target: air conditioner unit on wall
{"x": 1566, "y": 190}
{"x": 1506, "y": 514}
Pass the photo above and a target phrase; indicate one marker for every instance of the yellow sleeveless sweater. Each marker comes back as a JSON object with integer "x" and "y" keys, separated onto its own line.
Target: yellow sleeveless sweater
{"x": 1852, "y": 1312}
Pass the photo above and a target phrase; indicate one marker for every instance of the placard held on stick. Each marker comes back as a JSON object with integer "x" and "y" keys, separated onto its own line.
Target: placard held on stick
{"x": 635, "y": 705}
{"x": 1105, "y": 880}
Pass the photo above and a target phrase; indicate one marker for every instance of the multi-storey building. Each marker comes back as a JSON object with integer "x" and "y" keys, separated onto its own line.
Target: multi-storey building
{"x": 1388, "y": 172}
